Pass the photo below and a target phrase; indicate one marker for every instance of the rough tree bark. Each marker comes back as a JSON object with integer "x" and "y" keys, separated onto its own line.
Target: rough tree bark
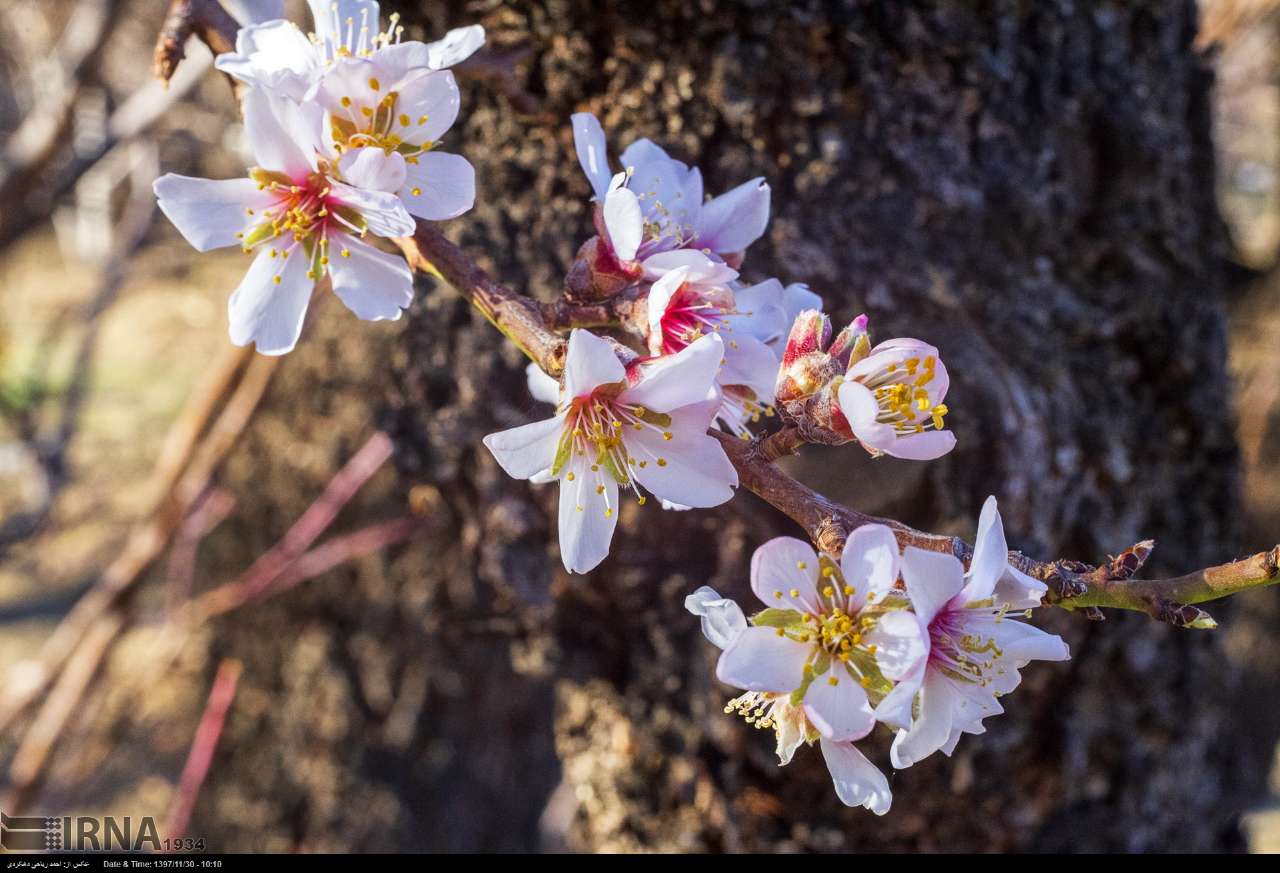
{"x": 1029, "y": 186}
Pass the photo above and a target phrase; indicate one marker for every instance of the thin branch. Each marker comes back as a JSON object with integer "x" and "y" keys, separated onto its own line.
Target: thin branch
{"x": 532, "y": 327}
{"x": 208, "y": 732}
{"x": 203, "y": 18}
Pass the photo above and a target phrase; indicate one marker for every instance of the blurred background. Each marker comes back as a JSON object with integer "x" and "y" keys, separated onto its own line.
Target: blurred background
{"x": 402, "y": 664}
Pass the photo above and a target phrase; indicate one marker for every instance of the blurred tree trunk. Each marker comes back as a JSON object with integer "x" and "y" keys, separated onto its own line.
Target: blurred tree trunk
{"x": 1027, "y": 185}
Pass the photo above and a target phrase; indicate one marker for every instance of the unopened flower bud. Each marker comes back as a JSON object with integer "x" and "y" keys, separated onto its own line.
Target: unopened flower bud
{"x": 852, "y": 344}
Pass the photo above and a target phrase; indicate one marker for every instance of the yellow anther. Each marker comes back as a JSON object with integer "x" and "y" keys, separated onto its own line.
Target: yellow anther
{"x": 801, "y": 565}
{"x": 570, "y": 476}
{"x": 667, "y": 435}
{"x": 662, "y": 462}
{"x": 828, "y": 591}
{"x": 848, "y": 591}
{"x": 375, "y": 84}
{"x": 833, "y": 681}
{"x": 276, "y": 279}
{"x": 795, "y": 592}
{"x": 777, "y": 594}
{"x": 780, "y": 632}
{"x": 417, "y": 192}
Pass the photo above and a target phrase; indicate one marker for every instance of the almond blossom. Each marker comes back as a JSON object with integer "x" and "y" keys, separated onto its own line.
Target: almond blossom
{"x": 656, "y": 203}
{"x": 975, "y": 649}
{"x": 302, "y": 222}
{"x": 892, "y": 400}
{"x": 695, "y": 296}
{"x": 275, "y": 54}
{"x": 629, "y": 427}
{"x": 833, "y": 639}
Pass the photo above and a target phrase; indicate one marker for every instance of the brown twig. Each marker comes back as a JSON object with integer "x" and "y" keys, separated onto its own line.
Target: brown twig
{"x": 203, "y": 18}
{"x": 306, "y": 530}
{"x": 208, "y": 732}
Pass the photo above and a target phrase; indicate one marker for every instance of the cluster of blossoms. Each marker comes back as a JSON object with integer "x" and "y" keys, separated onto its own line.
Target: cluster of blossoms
{"x": 841, "y": 646}
{"x": 343, "y": 123}
{"x": 739, "y": 351}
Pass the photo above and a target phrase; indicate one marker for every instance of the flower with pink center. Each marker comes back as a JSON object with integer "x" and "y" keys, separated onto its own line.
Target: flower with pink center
{"x": 622, "y": 427}
{"x": 694, "y": 297}
{"x": 975, "y": 647}
{"x": 655, "y": 204}
{"x": 302, "y": 223}
{"x": 832, "y": 640}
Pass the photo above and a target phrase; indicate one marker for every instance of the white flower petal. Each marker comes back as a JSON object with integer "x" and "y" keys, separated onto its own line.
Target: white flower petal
{"x": 374, "y": 285}
{"x": 684, "y": 378}
{"x": 267, "y": 313}
{"x": 541, "y": 386}
{"x": 373, "y": 168}
{"x": 699, "y": 268}
{"x": 925, "y": 446}
{"x": 275, "y": 55}
{"x": 691, "y": 468}
{"x": 932, "y": 727}
{"x": 586, "y": 525}
{"x": 990, "y": 554}
{"x": 1024, "y": 643}
{"x": 840, "y": 712}
{"x": 902, "y": 643}
{"x": 526, "y": 450}
{"x": 456, "y": 46}
{"x": 734, "y": 220}
{"x": 870, "y": 564}
{"x": 797, "y": 298}
{"x": 858, "y": 782}
{"x": 896, "y": 707}
{"x": 624, "y": 222}
{"x": 722, "y": 618}
{"x": 382, "y": 211}
{"x": 760, "y": 660}
{"x": 782, "y": 566}
{"x": 429, "y": 94}
{"x": 932, "y": 580}
{"x": 591, "y": 362}
{"x": 207, "y": 212}
{"x": 749, "y": 362}
{"x": 439, "y": 187}
{"x": 282, "y": 135}
{"x": 790, "y": 729}
{"x": 589, "y": 141}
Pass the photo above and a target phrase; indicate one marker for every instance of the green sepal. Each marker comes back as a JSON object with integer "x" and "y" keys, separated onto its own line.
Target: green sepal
{"x": 775, "y": 617}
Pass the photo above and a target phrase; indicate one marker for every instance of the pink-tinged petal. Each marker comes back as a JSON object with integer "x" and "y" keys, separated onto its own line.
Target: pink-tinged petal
{"x": 932, "y": 727}
{"x": 760, "y": 313}
{"x": 699, "y": 268}
{"x": 382, "y": 211}
{"x": 760, "y": 660}
{"x": 439, "y": 187}
{"x": 660, "y": 182}
{"x": 858, "y": 782}
{"x": 1024, "y": 643}
{"x": 990, "y": 554}
{"x": 589, "y": 141}
{"x": 735, "y": 219}
{"x": 527, "y": 450}
{"x": 543, "y": 388}
{"x": 784, "y": 573}
{"x": 374, "y": 285}
{"x": 373, "y": 168}
{"x": 660, "y": 294}
{"x": 590, "y": 363}
{"x": 586, "y": 522}
{"x": 333, "y": 19}
{"x": 431, "y": 95}
{"x": 247, "y": 12}
{"x": 207, "y": 212}
{"x": 691, "y": 468}
{"x": 895, "y": 353}
{"x": 932, "y": 579}
{"x": 895, "y": 709}
{"x": 751, "y": 363}
{"x": 902, "y": 643}
{"x": 870, "y": 564}
{"x": 924, "y": 446}
{"x": 859, "y": 407}
{"x": 269, "y": 313}
{"x": 682, "y": 379}
{"x": 280, "y": 133}
{"x": 722, "y": 619}
{"x": 456, "y": 46}
{"x": 624, "y": 221}
{"x": 840, "y": 712}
